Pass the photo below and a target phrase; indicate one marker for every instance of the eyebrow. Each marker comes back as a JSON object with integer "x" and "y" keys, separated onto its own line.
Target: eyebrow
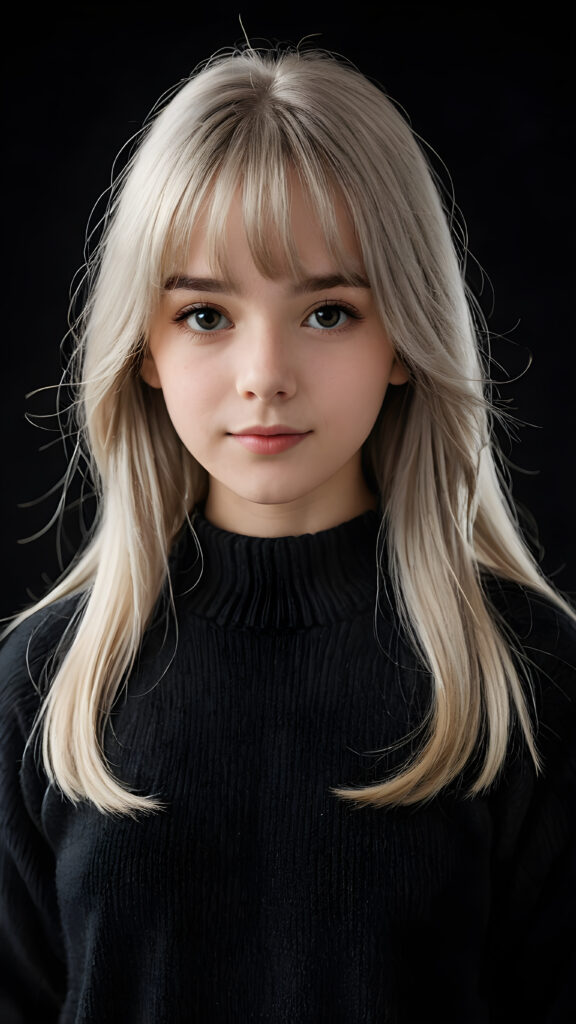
{"x": 316, "y": 283}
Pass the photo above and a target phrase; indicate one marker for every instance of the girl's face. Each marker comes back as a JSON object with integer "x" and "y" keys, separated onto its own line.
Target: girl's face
{"x": 273, "y": 385}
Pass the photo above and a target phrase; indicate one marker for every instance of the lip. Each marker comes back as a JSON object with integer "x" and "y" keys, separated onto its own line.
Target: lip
{"x": 260, "y": 431}
{"x": 269, "y": 440}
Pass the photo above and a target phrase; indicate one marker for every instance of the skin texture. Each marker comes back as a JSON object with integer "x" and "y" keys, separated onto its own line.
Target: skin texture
{"x": 255, "y": 352}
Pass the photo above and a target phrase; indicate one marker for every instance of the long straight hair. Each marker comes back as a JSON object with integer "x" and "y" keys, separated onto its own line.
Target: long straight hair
{"x": 248, "y": 120}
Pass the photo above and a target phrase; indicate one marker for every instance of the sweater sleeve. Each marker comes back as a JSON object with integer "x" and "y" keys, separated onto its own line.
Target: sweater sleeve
{"x": 533, "y": 935}
{"x": 32, "y": 970}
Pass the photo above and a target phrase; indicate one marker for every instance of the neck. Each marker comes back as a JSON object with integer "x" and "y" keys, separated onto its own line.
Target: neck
{"x": 278, "y": 582}
{"x": 321, "y": 509}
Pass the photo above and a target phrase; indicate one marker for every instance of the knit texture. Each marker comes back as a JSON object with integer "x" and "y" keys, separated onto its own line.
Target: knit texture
{"x": 257, "y": 894}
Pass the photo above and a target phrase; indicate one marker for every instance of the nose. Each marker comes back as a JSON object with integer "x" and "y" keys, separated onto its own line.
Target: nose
{"x": 266, "y": 369}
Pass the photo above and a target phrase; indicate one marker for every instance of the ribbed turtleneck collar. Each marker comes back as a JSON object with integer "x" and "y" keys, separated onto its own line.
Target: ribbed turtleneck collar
{"x": 278, "y": 582}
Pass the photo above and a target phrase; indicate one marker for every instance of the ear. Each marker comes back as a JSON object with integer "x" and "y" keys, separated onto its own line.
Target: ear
{"x": 398, "y": 373}
{"x": 149, "y": 373}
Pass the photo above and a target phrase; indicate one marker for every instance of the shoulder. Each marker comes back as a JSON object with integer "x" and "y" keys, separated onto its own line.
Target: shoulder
{"x": 542, "y": 638}
{"x": 544, "y": 631}
{"x": 25, "y": 655}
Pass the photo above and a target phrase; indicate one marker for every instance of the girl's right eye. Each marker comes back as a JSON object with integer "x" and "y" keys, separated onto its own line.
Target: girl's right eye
{"x": 203, "y": 319}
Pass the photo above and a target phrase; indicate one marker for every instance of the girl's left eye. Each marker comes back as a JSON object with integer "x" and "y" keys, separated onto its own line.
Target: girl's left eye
{"x": 329, "y": 316}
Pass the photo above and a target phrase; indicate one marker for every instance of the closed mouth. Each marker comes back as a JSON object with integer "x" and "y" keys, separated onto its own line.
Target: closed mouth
{"x": 276, "y": 431}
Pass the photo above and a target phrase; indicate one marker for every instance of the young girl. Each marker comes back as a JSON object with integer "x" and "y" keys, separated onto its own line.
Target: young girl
{"x": 293, "y": 739}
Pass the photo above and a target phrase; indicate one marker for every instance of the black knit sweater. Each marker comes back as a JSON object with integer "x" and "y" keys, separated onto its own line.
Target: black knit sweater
{"x": 257, "y": 894}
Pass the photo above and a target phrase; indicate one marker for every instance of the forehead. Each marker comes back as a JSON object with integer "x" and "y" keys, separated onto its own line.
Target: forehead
{"x": 284, "y": 235}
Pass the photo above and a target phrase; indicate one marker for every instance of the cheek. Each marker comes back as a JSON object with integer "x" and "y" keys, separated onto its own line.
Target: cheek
{"x": 357, "y": 389}
{"x": 188, "y": 391}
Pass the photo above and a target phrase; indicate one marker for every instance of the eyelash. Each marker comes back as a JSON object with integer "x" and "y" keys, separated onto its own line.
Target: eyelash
{"x": 350, "y": 312}
{"x": 198, "y": 307}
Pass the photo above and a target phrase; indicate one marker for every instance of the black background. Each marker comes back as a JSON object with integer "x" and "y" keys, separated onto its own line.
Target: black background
{"x": 490, "y": 90}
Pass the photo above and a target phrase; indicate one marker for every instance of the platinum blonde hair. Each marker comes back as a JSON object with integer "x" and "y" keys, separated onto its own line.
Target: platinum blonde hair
{"x": 249, "y": 120}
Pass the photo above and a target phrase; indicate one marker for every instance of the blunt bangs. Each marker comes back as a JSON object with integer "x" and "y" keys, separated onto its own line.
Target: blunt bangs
{"x": 264, "y": 156}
